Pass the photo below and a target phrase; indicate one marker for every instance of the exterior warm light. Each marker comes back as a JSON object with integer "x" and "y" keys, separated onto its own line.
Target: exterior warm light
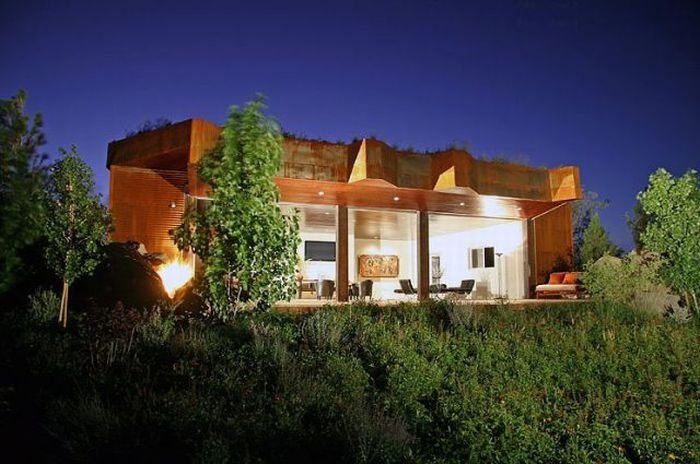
{"x": 396, "y": 198}
{"x": 492, "y": 207}
{"x": 321, "y": 193}
{"x": 174, "y": 275}
{"x": 461, "y": 203}
{"x": 173, "y": 204}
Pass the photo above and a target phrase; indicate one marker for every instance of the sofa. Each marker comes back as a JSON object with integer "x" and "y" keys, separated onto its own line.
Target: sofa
{"x": 561, "y": 284}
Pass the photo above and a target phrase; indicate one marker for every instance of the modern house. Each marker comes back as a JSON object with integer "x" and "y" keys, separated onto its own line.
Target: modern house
{"x": 369, "y": 211}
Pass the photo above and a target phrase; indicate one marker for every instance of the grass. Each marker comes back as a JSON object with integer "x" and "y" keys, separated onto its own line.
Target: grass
{"x": 428, "y": 383}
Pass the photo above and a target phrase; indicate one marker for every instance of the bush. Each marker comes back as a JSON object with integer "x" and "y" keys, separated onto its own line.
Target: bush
{"x": 621, "y": 280}
{"x": 409, "y": 383}
{"x": 43, "y": 306}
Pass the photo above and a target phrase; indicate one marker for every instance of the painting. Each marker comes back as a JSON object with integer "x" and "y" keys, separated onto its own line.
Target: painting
{"x": 379, "y": 266}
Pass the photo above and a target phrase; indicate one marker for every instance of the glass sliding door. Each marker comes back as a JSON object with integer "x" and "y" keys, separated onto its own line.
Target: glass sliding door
{"x": 492, "y": 252}
{"x": 382, "y": 251}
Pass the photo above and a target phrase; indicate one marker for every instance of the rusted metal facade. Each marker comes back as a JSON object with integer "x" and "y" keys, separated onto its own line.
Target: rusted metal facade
{"x": 152, "y": 174}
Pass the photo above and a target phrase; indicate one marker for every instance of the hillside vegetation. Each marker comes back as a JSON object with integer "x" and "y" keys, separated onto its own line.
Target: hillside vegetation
{"x": 411, "y": 383}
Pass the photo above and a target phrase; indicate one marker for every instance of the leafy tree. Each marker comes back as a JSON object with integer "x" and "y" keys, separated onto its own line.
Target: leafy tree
{"x": 583, "y": 212}
{"x": 596, "y": 243}
{"x": 21, "y": 180}
{"x": 637, "y": 223}
{"x": 247, "y": 245}
{"x": 672, "y": 206}
{"x": 76, "y": 222}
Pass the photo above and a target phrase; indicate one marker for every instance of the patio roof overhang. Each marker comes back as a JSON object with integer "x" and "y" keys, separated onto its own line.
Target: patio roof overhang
{"x": 378, "y": 194}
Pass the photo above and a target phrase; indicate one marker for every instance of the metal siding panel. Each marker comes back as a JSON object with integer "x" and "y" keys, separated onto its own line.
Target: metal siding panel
{"x": 141, "y": 200}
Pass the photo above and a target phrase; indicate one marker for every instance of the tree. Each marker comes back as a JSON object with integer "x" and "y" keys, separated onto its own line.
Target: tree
{"x": 583, "y": 212}
{"x": 637, "y": 223}
{"x": 247, "y": 245}
{"x": 596, "y": 243}
{"x": 76, "y": 222}
{"x": 21, "y": 180}
{"x": 672, "y": 207}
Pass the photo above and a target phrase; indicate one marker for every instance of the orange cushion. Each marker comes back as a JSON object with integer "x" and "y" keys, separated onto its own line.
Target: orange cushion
{"x": 556, "y": 278}
{"x": 571, "y": 278}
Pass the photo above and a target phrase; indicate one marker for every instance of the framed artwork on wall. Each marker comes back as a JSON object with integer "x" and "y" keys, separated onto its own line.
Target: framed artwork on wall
{"x": 379, "y": 265}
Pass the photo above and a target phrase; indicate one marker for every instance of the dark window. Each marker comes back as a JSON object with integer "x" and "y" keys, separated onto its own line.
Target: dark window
{"x": 482, "y": 258}
{"x": 319, "y": 251}
{"x": 488, "y": 257}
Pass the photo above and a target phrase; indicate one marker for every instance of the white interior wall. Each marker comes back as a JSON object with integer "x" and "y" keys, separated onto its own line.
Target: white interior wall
{"x": 508, "y": 238}
{"x": 383, "y": 287}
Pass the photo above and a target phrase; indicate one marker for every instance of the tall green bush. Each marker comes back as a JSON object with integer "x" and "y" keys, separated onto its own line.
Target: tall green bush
{"x": 247, "y": 245}
{"x": 583, "y": 212}
{"x": 672, "y": 207}
{"x": 596, "y": 243}
{"x": 21, "y": 181}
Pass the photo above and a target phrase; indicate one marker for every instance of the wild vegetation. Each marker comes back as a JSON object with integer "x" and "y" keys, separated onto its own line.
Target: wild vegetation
{"x": 426, "y": 383}
{"x": 21, "y": 178}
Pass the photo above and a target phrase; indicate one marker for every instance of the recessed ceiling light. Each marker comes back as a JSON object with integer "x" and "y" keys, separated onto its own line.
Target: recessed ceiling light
{"x": 321, "y": 193}
{"x": 396, "y": 198}
{"x": 327, "y": 213}
{"x": 461, "y": 203}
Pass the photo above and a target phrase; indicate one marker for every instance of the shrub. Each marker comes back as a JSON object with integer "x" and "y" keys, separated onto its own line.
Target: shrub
{"x": 157, "y": 327}
{"x": 431, "y": 382}
{"x": 621, "y": 280}
{"x": 43, "y": 306}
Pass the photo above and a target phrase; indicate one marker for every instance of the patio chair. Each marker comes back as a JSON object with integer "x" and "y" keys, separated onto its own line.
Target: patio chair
{"x": 465, "y": 288}
{"x": 406, "y": 287}
{"x": 325, "y": 289}
{"x": 366, "y": 289}
{"x": 354, "y": 291}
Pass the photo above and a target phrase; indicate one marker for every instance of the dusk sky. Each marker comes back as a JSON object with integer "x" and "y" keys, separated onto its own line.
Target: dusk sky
{"x": 613, "y": 87}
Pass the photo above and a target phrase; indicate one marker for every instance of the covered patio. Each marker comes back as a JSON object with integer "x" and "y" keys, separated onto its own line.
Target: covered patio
{"x": 380, "y": 245}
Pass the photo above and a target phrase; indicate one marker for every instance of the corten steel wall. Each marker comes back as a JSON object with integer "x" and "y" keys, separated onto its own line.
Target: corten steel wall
{"x": 181, "y": 146}
{"x": 141, "y": 202}
{"x": 550, "y": 238}
{"x": 363, "y": 171}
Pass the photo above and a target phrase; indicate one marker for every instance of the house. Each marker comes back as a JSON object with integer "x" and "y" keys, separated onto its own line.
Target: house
{"x": 368, "y": 211}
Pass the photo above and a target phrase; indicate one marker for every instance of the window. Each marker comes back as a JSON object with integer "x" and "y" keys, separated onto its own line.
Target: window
{"x": 482, "y": 258}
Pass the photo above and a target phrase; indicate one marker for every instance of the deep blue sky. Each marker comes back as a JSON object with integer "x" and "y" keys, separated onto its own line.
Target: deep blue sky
{"x": 611, "y": 86}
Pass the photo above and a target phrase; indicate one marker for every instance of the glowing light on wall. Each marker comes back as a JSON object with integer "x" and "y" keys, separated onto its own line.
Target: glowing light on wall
{"x": 493, "y": 207}
{"x": 174, "y": 275}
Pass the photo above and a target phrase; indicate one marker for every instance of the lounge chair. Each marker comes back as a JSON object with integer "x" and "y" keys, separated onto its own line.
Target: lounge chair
{"x": 563, "y": 285}
{"x": 406, "y": 287}
{"x": 465, "y": 288}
